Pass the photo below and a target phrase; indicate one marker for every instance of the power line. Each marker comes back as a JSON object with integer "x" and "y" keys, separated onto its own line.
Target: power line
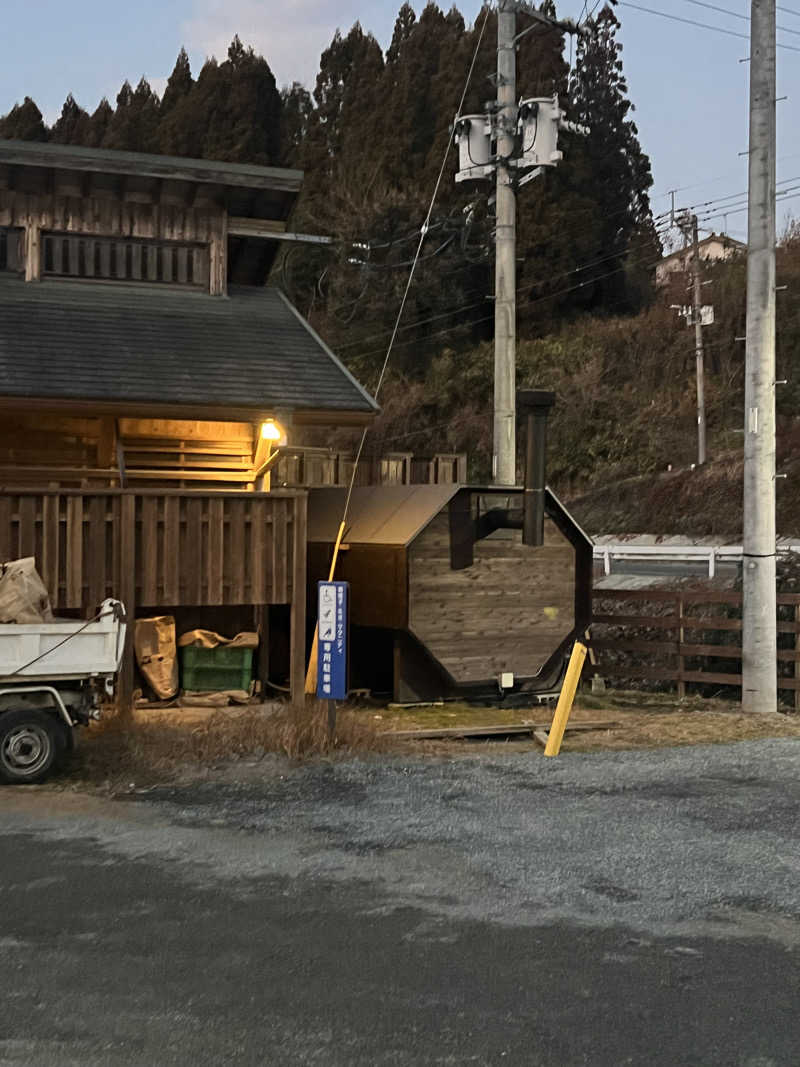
{"x": 713, "y": 181}
{"x": 734, "y": 14}
{"x": 527, "y": 303}
{"x": 737, "y": 210}
{"x": 734, "y": 196}
{"x": 660, "y": 230}
{"x": 423, "y": 234}
{"x": 521, "y": 289}
{"x": 700, "y": 25}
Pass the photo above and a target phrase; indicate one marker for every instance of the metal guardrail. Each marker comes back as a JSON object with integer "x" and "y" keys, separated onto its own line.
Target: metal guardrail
{"x": 607, "y": 553}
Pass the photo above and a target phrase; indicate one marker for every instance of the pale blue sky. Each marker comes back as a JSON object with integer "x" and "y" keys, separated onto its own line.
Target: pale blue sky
{"x": 688, "y": 84}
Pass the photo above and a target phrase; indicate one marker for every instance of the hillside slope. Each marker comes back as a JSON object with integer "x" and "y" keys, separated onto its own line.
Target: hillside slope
{"x": 705, "y": 502}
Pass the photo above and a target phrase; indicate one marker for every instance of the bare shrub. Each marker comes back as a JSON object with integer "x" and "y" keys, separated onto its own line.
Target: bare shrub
{"x": 121, "y": 748}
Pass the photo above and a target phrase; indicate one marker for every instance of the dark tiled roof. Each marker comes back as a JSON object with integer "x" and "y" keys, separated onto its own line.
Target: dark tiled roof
{"x": 108, "y": 342}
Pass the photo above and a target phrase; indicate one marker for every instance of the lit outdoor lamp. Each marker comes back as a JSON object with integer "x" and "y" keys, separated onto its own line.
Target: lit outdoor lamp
{"x": 272, "y": 437}
{"x": 272, "y": 432}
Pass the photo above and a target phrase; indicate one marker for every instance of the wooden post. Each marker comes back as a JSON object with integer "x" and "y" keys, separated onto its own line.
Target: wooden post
{"x": 33, "y": 264}
{"x": 262, "y": 626}
{"x": 566, "y": 699}
{"x": 681, "y": 664}
{"x": 218, "y": 274}
{"x": 126, "y": 585}
{"x": 298, "y": 625}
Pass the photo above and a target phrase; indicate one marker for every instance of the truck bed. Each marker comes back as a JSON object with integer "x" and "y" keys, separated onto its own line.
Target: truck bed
{"x": 66, "y": 648}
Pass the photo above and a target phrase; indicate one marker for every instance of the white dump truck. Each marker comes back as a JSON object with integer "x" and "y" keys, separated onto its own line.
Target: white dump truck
{"x": 53, "y": 677}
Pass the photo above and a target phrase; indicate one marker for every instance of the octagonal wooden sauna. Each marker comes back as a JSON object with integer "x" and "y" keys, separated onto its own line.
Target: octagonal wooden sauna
{"x": 443, "y": 602}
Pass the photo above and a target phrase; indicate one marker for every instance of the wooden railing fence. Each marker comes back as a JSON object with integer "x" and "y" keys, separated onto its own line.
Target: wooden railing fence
{"x": 688, "y": 637}
{"x": 307, "y": 467}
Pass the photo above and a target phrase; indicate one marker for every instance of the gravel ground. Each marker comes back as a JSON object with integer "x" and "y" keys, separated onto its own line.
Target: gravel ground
{"x": 666, "y": 840}
{"x": 624, "y": 908}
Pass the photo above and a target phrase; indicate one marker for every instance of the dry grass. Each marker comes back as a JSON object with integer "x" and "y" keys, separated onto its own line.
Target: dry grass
{"x": 162, "y": 746}
{"x": 152, "y": 748}
{"x": 659, "y": 729}
{"x": 645, "y": 721}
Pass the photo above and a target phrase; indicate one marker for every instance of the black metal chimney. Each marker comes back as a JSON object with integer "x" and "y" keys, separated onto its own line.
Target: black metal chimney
{"x": 534, "y": 405}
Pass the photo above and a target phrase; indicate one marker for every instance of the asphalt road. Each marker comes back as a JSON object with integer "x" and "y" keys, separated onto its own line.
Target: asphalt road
{"x": 625, "y": 908}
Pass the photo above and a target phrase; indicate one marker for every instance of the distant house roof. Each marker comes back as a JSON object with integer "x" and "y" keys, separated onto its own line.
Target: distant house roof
{"x": 127, "y": 345}
{"x": 684, "y": 253}
{"x": 378, "y": 515}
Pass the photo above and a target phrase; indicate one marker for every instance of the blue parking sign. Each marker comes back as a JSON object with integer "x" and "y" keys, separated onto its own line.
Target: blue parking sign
{"x": 332, "y": 640}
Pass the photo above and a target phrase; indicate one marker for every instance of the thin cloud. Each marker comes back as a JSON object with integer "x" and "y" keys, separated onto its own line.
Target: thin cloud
{"x": 291, "y": 35}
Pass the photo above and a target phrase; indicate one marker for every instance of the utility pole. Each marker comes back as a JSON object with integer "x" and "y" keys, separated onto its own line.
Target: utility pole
{"x": 504, "y": 454}
{"x": 698, "y": 349}
{"x": 525, "y": 138}
{"x": 759, "y": 639}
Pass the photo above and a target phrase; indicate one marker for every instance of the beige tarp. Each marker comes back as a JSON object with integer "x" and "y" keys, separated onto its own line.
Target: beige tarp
{"x": 156, "y": 654}
{"x": 23, "y": 596}
{"x": 209, "y": 639}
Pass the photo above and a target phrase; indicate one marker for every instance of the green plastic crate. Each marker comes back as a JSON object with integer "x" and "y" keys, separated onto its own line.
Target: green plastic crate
{"x": 211, "y": 670}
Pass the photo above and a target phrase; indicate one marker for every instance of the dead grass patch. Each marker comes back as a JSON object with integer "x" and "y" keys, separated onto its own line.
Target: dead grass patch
{"x": 645, "y": 720}
{"x": 163, "y": 746}
{"x": 661, "y": 729}
{"x": 146, "y": 749}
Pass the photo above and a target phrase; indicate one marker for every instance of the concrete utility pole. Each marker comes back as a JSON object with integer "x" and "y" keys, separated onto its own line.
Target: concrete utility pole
{"x": 504, "y": 455}
{"x": 698, "y": 349}
{"x": 514, "y": 161}
{"x": 759, "y": 640}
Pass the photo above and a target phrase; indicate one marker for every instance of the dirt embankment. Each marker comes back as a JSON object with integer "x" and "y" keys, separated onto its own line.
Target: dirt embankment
{"x": 705, "y": 502}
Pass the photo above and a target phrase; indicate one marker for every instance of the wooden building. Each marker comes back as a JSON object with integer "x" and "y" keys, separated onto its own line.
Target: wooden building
{"x": 442, "y": 603}
{"x": 145, "y": 370}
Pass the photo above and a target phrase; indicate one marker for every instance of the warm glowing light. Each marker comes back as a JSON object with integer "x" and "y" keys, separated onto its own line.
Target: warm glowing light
{"x": 270, "y": 431}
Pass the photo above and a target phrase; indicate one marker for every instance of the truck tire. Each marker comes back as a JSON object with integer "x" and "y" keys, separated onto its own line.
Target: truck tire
{"x": 28, "y": 746}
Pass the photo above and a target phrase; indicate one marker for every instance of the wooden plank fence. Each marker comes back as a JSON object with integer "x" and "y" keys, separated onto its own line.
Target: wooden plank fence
{"x": 163, "y": 549}
{"x": 686, "y": 632}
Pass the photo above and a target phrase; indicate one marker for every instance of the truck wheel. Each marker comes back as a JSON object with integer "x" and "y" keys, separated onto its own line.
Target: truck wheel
{"x": 28, "y": 746}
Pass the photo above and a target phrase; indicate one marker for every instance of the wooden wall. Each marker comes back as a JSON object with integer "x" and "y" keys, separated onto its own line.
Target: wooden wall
{"x": 163, "y": 548}
{"x": 66, "y": 210}
{"x": 509, "y": 611}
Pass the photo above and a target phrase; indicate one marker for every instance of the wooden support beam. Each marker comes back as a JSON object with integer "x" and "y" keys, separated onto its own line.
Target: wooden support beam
{"x": 261, "y": 620}
{"x": 126, "y": 583}
{"x": 187, "y": 429}
{"x": 33, "y": 264}
{"x": 297, "y": 652}
{"x": 218, "y": 260}
{"x": 245, "y": 227}
{"x": 107, "y": 442}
